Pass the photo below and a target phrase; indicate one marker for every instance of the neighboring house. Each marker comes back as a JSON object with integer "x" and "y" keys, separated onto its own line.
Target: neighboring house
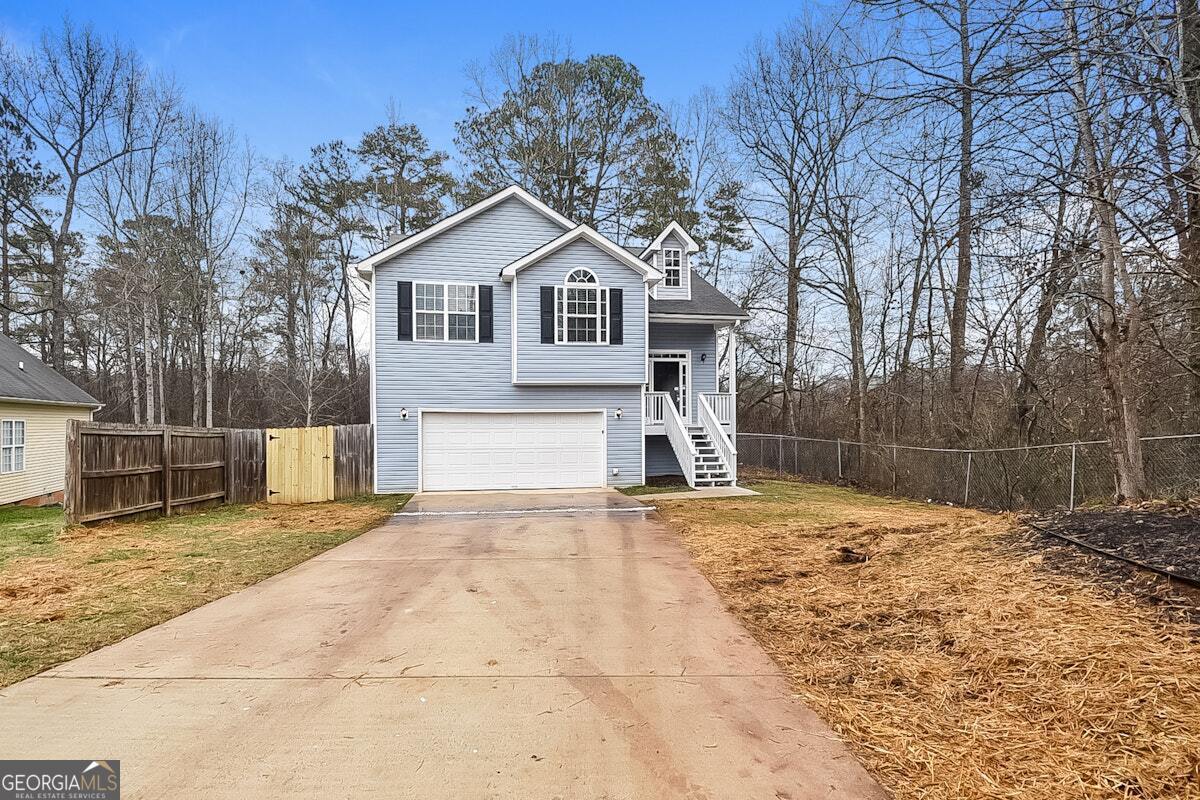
{"x": 35, "y": 405}
{"x": 513, "y": 348}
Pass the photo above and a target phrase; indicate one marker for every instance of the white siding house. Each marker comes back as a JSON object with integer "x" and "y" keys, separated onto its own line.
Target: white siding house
{"x": 36, "y": 403}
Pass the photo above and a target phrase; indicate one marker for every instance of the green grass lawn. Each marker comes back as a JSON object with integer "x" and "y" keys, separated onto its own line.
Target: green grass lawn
{"x": 28, "y": 531}
{"x": 658, "y": 485}
{"x": 65, "y": 591}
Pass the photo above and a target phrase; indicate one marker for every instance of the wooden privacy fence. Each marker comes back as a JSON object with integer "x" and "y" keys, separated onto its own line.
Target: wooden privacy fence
{"x": 119, "y": 470}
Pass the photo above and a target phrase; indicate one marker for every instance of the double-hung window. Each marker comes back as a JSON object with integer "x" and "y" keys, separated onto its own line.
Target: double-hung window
{"x": 672, "y": 267}
{"x": 446, "y": 312}
{"x": 12, "y": 445}
{"x": 581, "y": 309}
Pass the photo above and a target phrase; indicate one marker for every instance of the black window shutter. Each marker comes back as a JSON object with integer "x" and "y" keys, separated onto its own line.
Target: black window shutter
{"x": 404, "y": 311}
{"x": 485, "y": 313}
{"x": 547, "y": 315}
{"x": 616, "y": 316}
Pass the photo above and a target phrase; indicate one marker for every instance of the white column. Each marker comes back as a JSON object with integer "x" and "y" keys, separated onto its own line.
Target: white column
{"x": 732, "y": 361}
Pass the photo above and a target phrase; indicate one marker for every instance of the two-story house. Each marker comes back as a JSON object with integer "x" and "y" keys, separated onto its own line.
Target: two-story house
{"x": 515, "y": 349}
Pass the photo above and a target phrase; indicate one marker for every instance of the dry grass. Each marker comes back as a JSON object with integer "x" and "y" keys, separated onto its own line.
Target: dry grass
{"x": 67, "y": 591}
{"x": 955, "y": 665}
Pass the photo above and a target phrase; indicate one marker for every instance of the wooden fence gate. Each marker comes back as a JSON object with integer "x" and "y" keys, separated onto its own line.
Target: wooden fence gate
{"x": 300, "y": 465}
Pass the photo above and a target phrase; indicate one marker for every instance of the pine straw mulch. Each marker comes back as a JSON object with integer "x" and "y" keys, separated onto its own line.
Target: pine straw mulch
{"x": 954, "y": 662}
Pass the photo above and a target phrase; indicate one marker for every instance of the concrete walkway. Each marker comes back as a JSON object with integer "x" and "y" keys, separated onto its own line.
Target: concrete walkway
{"x": 545, "y": 655}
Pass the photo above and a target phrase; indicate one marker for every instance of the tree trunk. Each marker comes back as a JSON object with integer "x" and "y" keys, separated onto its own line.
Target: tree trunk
{"x": 787, "y": 414}
{"x": 1117, "y": 328}
{"x": 959, "y": 415}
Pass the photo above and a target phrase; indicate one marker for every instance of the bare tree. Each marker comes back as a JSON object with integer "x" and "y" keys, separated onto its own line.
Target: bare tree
{"x": 76, "y": 95}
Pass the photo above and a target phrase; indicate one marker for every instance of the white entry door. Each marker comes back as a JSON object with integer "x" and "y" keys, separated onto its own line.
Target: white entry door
{"x": 511, "y": 450}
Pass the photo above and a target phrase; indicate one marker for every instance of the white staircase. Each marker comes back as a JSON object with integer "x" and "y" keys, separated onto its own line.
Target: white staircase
{"x": 711, "y": 469}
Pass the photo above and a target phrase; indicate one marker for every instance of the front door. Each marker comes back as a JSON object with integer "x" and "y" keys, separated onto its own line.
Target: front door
{"x": 668, "y": 373}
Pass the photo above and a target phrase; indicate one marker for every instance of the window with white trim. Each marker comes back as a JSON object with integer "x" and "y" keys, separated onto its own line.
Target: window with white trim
{"x": 581, "y": 309}
{"x": 672, "y": 266}
{"x": 445, "y": 312}
{"x": 12, "y": 445}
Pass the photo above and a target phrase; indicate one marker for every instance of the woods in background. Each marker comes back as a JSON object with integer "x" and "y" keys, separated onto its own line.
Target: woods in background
{"x": 957, "y": 222}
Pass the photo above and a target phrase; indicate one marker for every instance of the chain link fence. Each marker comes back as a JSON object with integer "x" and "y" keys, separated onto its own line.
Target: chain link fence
{"x": 1036, "y": 478}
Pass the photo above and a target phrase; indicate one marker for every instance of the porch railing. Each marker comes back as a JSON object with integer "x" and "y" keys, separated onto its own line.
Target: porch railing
{"x": 716, "y": 433}
{"x": 681, "y": 442}
{"x": 721, "y": 404}
{"x": 656, "y": 408}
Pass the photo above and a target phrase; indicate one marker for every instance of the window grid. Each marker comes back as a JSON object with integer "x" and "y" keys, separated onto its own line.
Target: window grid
{"x": 12, "y": 445}
{"x": 446, "y": 312}
{"x": 581, "y": 309}
{"x": 672, "y": 267}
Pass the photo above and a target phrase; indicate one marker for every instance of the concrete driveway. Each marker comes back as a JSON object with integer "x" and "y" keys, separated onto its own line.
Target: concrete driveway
{"x": 458, "y": 655}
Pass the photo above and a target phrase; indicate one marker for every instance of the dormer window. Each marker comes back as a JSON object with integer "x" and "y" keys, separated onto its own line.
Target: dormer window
{"x": 581, "y": 309}
{"x": 672, "y": 266}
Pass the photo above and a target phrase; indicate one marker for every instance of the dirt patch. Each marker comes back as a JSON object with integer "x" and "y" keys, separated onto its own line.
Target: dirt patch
{"x": 952, "y": 662}
{"x": 1166, "y": 538}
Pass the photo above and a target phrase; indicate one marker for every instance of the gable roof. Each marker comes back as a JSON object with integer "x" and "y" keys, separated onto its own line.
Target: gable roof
{"x": 583, "y": 232}
{"x": 677, "y": 229}
{"x": 24, "y": 377}
{"x": 367, "y": 265}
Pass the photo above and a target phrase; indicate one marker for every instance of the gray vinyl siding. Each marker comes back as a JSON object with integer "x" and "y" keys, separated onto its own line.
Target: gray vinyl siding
{"x": 580, "y": 363}
{"x": 700, "y": 340}
{"x": 660, "y": 458}
{"x": 429, "y": 375}
{"x": 683, "y": 292}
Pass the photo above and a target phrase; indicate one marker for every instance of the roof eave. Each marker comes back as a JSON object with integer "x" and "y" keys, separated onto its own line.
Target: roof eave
{"x": 688, "y": 242}
{"x": 649, "y": 274}
{"x": 95, "y": 405}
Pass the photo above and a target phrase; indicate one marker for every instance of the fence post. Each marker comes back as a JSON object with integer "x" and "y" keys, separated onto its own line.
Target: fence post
{"x": 73, "y": 485}
{"x": 1071, "y": 503}
{"x": 166, "y": 470}
{"x": 967, "y": 488}
{"x": 839, "y": 447}
{"x": 228, "y": 469}
{"x": 895, "y": 471}
{"x": 779, "y": 463}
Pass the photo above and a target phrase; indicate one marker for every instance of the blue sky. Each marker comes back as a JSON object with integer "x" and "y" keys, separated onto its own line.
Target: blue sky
{"x": 289, "y": 75}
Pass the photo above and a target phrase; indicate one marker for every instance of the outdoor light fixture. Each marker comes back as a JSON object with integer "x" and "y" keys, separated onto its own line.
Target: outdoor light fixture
{"x": 404, "y": 413}
{"x": 619, "y": 412}
{"x": 703, "y": 356}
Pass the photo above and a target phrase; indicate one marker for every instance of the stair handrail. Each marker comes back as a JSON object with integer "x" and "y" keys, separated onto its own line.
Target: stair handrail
{"x": 716, "y": 433}
{"x": 681, "y": 442}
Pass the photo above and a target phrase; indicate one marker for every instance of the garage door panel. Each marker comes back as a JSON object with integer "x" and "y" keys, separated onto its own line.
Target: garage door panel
{"x": 517, "y": 450}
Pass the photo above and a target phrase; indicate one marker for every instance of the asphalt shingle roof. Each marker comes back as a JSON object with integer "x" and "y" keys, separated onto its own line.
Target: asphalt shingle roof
{"x": 36, "y": 381}
{"x": 707, "y": 300}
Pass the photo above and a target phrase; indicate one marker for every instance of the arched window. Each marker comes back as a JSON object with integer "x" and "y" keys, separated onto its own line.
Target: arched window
{"x": 581, "y": 309}
{"x": 581, "y": 276}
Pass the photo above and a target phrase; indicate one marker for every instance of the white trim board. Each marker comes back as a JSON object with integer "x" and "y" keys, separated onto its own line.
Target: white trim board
{"x": 677, "y": 229}
{"x": 710, "y": 319}
{"x": 649, "y": 274}
{"x": 65, "y": 403}
{"x": 367, "y": 265}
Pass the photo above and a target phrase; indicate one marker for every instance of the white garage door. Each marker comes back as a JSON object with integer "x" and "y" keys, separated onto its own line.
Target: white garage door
{"x": 522, "y": 450}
